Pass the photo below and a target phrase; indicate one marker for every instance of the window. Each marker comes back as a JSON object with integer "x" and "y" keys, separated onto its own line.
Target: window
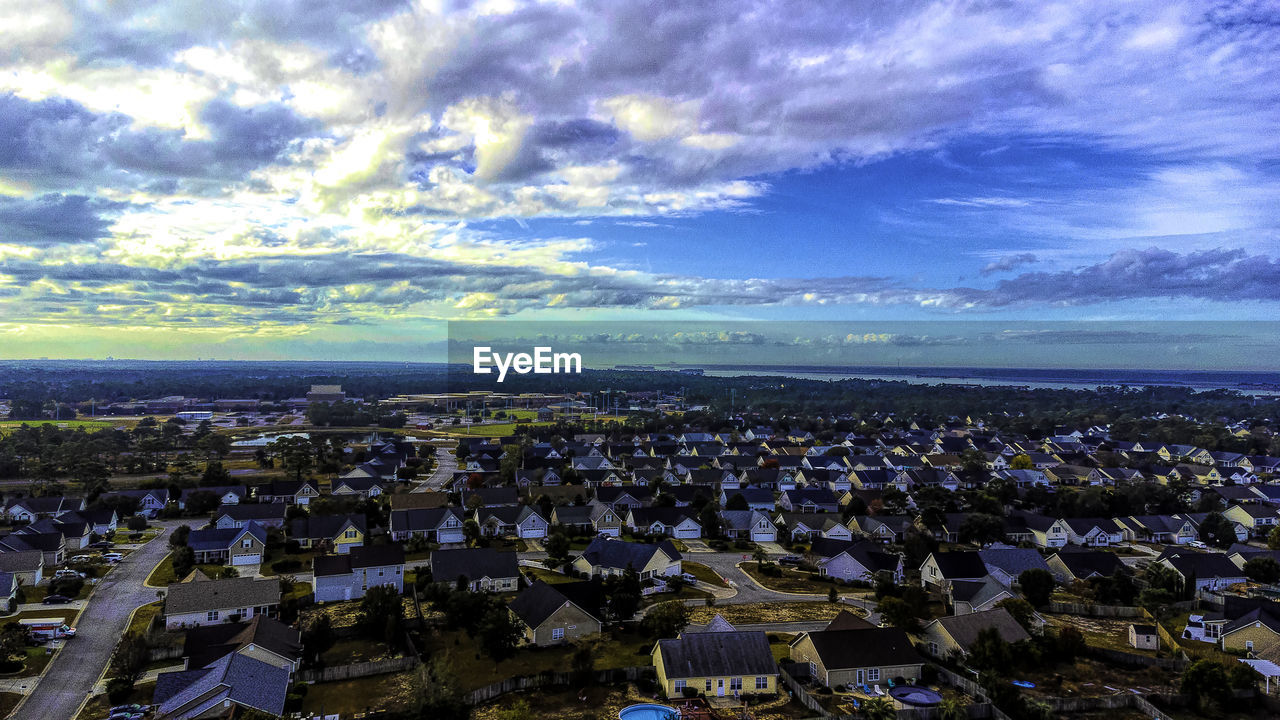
{"x": 708, "y": 684}
{"x": 813, "y": 670}
{"x": 873, "y": 675}
{"x": 247, "y": 543}
{"x": 211, "y": 616}
{"x": 1248, "y": 645}
{"x": 933, "y": 648}
{"x": 762, "y": 683}
{"x": 679, "y": 687}
{"x": 735, "y": 684}
{"x": 350, "y": 534}
{"x": 557, "y": 633}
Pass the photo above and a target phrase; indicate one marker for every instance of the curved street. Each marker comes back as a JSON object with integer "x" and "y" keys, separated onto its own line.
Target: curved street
{"x": 69, "y": 679}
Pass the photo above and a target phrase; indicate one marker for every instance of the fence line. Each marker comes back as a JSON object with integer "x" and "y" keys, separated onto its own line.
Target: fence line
{"x": 1091, "y": 610}
{"x": 551, "y": 679}
{"x": 357, "y": 670}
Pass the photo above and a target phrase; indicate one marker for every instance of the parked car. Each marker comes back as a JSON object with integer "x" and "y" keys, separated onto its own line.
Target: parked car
{"x": 1198, "y": 545}
{"x": 112, "y": 557}
{"x": 131, "y": 708}
{"x": 83, "y": 559}
{"x": 790, "y": 560}
{"x": 126, "y": 716}
{"x": 689, "y": 578}
{"x": 56, "y": 600}
{"x": 67, "y": 574}
{"x": 101, "y": 545}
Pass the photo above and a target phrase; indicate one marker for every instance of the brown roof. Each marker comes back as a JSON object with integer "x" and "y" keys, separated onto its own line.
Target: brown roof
{"x": 846, "y": 620}
{"x": 418, "y": 501}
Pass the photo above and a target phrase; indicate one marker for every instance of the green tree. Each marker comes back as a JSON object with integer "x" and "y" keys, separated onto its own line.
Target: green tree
{"x": 1262, "y": 569}
{"x": 737, "y": 502}
{"x": 557, "y": 545}
{"x": 665, "y": 620}
{"x": 499, "y": 634}
{"x": 381, "y": 614}
{"x": 1021, "y": 462}
{"x": 294, "y": 453}
{"x": 437, "y": 693}
{"x": 1273, "y": 538}
{"x": 709, "y": 519}
{"x": 990, "y": 652}
{"x": 1037, "y": 586}
{"x": 879, "y": 709}
{"x": 1020, "y": 609}
{"x": 981, "y": 528}
{"x": 953, "y": 708}
{"x": 184, "y": 561}
{"x": 1217, "y": 530}
{"x": 898, "y": 613}
{"x": 178, "y": 538}
{"x": 130, "y": 658}
{"x": 1206, "y": 683}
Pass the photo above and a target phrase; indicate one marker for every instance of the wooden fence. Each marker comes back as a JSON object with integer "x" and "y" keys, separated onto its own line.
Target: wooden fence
{"x": 1089, "y": 610}
{"x": 357, "y": 670}
{"x": 1120, "y": 657}
{"x": 553, "y": 679}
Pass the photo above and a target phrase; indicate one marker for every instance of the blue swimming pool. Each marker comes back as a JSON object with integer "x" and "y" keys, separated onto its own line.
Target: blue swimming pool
{"x": 648, "y": 711}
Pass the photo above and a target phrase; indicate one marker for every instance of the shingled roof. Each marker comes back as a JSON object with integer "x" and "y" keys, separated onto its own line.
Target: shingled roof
{"x": 717, "y": 654}
{"x": 844, "y": 649}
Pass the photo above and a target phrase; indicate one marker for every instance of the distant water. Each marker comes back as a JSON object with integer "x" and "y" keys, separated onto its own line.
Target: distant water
{"x": 1252, "y": 383}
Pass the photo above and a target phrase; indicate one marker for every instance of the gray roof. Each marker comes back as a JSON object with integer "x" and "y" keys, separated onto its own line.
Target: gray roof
{"x": 620, "y": 554}
{"x": 221, "y": 539}
{"x": 235, "y": 677}
{"x": 190, "y": 597}
{"x": 711, "y": 654}
{"x": 873, "y": 647}
{"x": 964, "y": 629}
{"x": 473, "y": 563}
{"x": 1014, "y": 561}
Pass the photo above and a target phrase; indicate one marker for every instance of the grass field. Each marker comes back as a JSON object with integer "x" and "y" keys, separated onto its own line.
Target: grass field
{"x": 793, "y": 581}
{"x": 703, "y": 573}
{"x": 163, "y": 574}
{"x": 7, "y": 426}
{"x": 475, "y": 669}
{"x": 98, "y": 706}
{"x": 772, "y": 612}
{"x": 8, "y": 701}
{"x": 142, "y": 618}
{"x": 348, "y": 697}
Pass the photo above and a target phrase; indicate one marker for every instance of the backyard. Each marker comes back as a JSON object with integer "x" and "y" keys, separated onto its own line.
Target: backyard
{"x": 771, "y": 612}
{"x": 796, "y": 581}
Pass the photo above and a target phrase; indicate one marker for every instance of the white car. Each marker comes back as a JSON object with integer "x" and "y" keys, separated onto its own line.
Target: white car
{"x": 82, "y": 559}
{"x": 67, "y": 574}
{"x": 112, "y": 557}
{"x": 1197, "y": 544}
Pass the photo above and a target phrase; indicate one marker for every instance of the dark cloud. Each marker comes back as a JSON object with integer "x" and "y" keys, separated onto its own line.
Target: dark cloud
{"x": 1008, "y": 262}
{"x": 55, "y": 219}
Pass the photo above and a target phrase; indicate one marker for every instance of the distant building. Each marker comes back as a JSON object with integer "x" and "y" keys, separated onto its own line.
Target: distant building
{"x": 326, "y": 394}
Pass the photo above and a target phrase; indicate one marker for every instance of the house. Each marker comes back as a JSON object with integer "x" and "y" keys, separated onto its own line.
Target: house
{"x": 715, "y": 664}
{"x": 350, "y": 575}
{"x": 1259, "y": 519}
{"x": 752, "y": 525}
{"x": 27, "y": 566}
{"x": 854, "y": 560}
{"x": 478, "y": 569}
{"x": 807, "y": 526}
{"x": 809, "y": 500}
{"x": 270, "y": 515}
{"x": 1201, "y": 571}
{"x": 558, "y": 614}
{"x": 943, "y": 567}
{"x": 522, "y": 521}
{"x": 1068, "y": 567}
{"x": 966, "y": 596}
{"x": 1095, "y": 532}
{"x": 262, "y": 638}
{"x": 8, "y": 591}
{"x": 857, "y": 658}
{"x": 295, "y": 492}
{"x": 623, "y": 499}
{"x": 883, "y": 528}
{"x": 438, "y": 524}
{"x": 605, "y": 557}
{"x": 236, "y": 680}
{"x": 1163, "y": 529}
{"x": 1006, "y": 564}
{"x": 573, "y": 518}
{"x": 52, "y": 544}
{"x": 364, "y": 487}
{"x": 232, "y": 546}
{"x": 1144, "y": 637}
{"x": 30, "y": 509}
{"x": 957, "y": 633}
{"x": 210, "y": 602}
{"x": 339, "y": 532}
{"x": 756, "y": 498}
{"x": 150, "y": 502}
{"x": 670, "y": 522}
{"x": 605, "y": 521}
{"x": 225, "y": 494}
{"x": 100, "y": 521}
{"x": 1255, "y": 630}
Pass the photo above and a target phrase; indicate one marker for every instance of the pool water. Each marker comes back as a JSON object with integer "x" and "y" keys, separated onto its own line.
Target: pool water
{"x": 648, "y": 711}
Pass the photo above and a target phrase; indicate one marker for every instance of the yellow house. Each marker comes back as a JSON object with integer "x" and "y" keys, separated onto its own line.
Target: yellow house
{"x": 342, "y": 532}
{"x": 857, "y": 657}
{"x": 1254, "y": 631}
{"x": 727, "y": 663}
{"x": 604, "y": 557}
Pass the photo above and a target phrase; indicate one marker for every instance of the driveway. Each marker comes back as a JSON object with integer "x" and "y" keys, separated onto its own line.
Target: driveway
{"x": 70, "y": 678}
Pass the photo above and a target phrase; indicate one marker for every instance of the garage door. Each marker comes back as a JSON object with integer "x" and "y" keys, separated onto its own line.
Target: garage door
{"x": 246, "y": 559}
{"x": 450, "y": 536}
{"x": 688, "y": 534}
{"x": 757, "y": 536}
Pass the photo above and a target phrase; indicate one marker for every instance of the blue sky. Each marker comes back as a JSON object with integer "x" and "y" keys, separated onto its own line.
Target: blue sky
{"x": 281, "y": 180}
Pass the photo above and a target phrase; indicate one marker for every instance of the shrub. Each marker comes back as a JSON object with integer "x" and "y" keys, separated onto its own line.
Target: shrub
{"x": 292, "y": 547}
{"x": 137, "y": 523}
{"x": 690, "y": 692}
{"x": 118, "y": 690}
{"x": 66, "y": 586}
{"x": 284, "y": 566}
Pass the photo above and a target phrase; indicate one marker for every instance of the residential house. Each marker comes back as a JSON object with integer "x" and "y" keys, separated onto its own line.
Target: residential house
{"x": 558, "y": 614}
{"x": 807, "y": 526}
{"x": 232, "y": 546}
{"x": 235, "y": 682}
{"x": 480, "y": 569}
{"x": 605, "y": 557}
{"x": 966, "y": 596}
{"x": 27, "y": 566}
{"x": 1006, "y": 564}
{"x": 855, "y": 560}
{"x": 1203, "y": 571}
{"x": 295, "y": 492}
{"x": 729, "y": 663}
{"x": 809, "y": 500}
{"x": 443, "y": 525}
{"x": 1143, "y": 637}
{"x": 753, "y": 525}
{"x": 758, "y": 499}
{"x": 883, "y": 528}
{"x": 1045, "y": 532}
{"x": 857, "y": 658}
{"x": 262, "y": 638}
{"x": 269, "y": 515}
{"x": 1094, "y": 532}
{"x": 150, "y": 502}
{"x": 339, "y": 532}
{"x": 30, "y": 509}
{"x": 941, "y": 568}
{"x": 667, "y": 521}
{"x": 225, "y": 494}
{"x": 1069, "y": 567}
{"x": 210, "y": 602}
{"x": 350, "y": 575}
{"x": 957, "y": 633}
{"x": 1259, "y": 519}
{"x": 363, "y": 487}
{"x": 572, "y": 518}
{"x": 51, "y": 543}
{"x": 522, "y": 521}
{"x": 1163, "y": 529}
{"x": 605, "y": 521}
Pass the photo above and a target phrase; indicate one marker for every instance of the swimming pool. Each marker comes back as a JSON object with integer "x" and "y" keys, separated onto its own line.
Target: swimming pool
{"x": 915, "y": 695}
{"x": 648, "y": 711}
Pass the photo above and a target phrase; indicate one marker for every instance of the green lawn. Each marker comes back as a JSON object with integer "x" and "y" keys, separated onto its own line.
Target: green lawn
{"x": 53, "y": 611}
{"x": 703, "y": 573}
{"x": 8, "y": 701}
{"x": 474, "y": 669}
{"x": 348, "y": 697}
{"x": 356, "y": 650}
{"x": 142, "y": 618}
{"x": 7, "y": 426}
{"x": 98, "y": 706}
{"x": 305, "y": 557}
{"x": 550, "y": 577}
{"x": 163, "y": 574}
{"x": 37, "y": 659}
{"x": 795, "y": 581}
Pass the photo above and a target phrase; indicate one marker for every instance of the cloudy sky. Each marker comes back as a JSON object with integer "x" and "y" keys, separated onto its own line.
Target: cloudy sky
{"x": 289, "y": 179}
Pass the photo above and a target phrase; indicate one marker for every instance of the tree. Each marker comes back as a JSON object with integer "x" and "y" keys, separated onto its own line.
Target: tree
{"x": 832, "y": 595}
{"x": 184, "y": 561}
{"x": 381, "y": 613}
{"x": 1217, "y": 530}
{"x": 1206, "y": 681}
{"x": 665, "y": 620}
{"x": 737, "y": 502}
{"x": 981, "y": 528}
{"x": 1037, "y": 586}
{"x": 557, "y": 545}
{"x": 709, "y": 519}
{"x": 437, "y": 693}
{"x": 295, "y": 454}
{"x": 1021, "y": 462}
{"x": 130, "y": 658}
{"x": 499, "y": 633}
{"x": 879, "y": 709}
{"x": 990, "y": 652}
{"x": 623, "y": 593}
{"x": 317, "y": 638}
{"x": 898, "y": 613}
{"x": 178, "y": 538}
{"x": 953, "y": 708}
{"x": 1263, "y": 570}
{"x": 1273, "y": 538}
{"x": 137, "y": 523}
{"x": 1242, "y": 677}
{"x": 214, "y": 474}
{"x": 1020, "y": 609}
{"x": 471, "y": 531}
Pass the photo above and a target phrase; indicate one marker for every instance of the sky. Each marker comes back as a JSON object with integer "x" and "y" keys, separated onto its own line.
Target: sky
{"x": 335, "y": 179}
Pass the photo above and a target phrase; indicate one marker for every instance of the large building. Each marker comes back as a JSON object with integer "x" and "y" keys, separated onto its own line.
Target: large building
{"x": 326, "y": 394}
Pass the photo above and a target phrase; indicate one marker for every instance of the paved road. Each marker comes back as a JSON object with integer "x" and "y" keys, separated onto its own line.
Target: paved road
{"x": 446, "y": 464}
{"x": 70, "y": 678}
